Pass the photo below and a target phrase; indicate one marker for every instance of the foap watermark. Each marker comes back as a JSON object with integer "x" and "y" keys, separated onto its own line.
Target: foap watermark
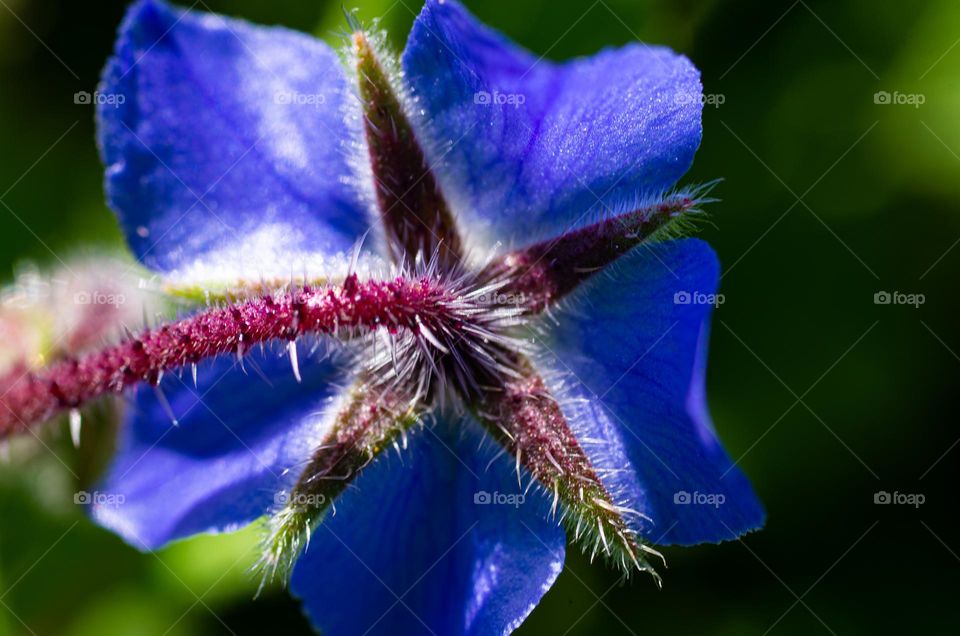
{"x": 99, "y": 298}
{"x": 698, "y": 298}
{"x": 497, "y": 299}
{"x": 896, "y": 498}
{"x": 496, "y": 98}
{"x": 84, "y": 98}
{"x": 899, "y": 298}
{"x": 300, "y": 500}
{"x": 484, "y": 498}
{"x": 704, "y": 99}
{"x": 697, "y": 498}
{"x": 293, "y": 98}
{"x": 96, "y": 498}
{"x": 896, "y": 98}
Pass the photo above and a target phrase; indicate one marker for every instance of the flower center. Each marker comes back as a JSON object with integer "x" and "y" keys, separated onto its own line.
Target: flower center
{"x": 419, "y": 228}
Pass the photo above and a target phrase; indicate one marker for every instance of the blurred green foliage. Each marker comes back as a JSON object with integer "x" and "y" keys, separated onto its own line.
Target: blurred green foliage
{"x": 828, "y": 198}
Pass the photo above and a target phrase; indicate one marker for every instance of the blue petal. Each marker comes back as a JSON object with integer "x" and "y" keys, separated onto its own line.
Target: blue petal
{"x": 410, "y": 552}
{"x": 636, "y": 356}
{"x": 592, "y": 135}
{"x": 228, "y": 137}
{"x": 239, "y": 442}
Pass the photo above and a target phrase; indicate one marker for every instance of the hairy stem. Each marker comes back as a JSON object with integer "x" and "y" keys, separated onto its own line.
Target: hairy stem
{"x": 348, "y": 309}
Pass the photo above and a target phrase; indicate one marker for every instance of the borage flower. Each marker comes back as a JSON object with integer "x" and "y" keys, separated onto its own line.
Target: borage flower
{"x": 480, "y": 329}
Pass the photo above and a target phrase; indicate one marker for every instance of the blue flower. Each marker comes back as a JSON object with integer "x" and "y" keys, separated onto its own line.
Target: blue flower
{"x": 240, "y": 150}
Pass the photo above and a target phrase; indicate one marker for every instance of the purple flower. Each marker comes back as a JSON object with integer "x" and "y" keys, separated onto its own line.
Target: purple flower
{"x": 526, "y": 390}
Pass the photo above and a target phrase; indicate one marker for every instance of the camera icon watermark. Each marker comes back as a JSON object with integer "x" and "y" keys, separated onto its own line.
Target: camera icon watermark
{"x": 484, "y": 498}
{"x": 896, "y": 98}
{"x": 102, "y": 499}
{"x": 899, "y": 298}
{"x": 896, "y": 498}
{"x": 698, "y": 298}
{"x": 684, "y": 98}
{"x": 697, "y": 498}
{"x": 496, "y": 98}
{"x": 99, "y": 298}
{"x": 293, "y": 98}
{"x": 299, "y": 500}
{"x": 499, "y": 299}
{"x": 85, "y": 98}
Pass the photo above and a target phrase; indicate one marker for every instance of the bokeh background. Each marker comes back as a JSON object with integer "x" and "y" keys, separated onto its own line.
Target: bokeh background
{"x": 829, "y": 198}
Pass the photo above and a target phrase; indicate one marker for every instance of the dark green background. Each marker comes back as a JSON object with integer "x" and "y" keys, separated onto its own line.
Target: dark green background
{"x": 876, "y": 384}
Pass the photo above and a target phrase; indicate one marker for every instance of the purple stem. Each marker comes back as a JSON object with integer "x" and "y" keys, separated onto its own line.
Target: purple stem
{"x": 400, "y": 304}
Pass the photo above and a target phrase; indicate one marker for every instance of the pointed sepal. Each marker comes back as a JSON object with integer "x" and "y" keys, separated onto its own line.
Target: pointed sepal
{"x": 369, "y": 420}
{"x": 416, "y": 218}
{"x": 524, "y": 416}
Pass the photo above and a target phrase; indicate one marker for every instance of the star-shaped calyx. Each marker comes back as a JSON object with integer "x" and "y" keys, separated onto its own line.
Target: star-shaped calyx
{"x": 479, "y": 357}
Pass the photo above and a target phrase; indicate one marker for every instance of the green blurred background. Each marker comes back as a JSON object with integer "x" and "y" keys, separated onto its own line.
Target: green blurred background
{"x": 828, "y": 199}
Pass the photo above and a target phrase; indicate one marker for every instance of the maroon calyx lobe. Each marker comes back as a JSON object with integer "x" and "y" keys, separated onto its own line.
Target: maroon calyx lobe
{"x": 523, "y": 415}
{"x": 416, "y": 217}
{"x": 370, "y": 420}
{"x": 353, "y": 308}
{"x": 543, "y": 273}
